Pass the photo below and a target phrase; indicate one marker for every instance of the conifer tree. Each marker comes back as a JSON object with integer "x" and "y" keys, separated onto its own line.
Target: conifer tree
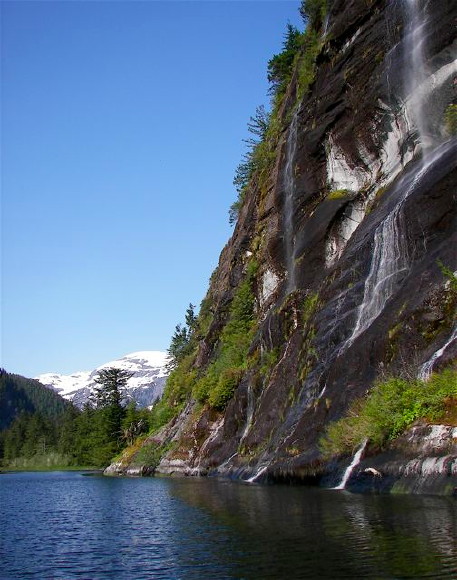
{"x": 181, "y": 339}
{"x": 109, "y": 412}
{"x": 280, "y": 66}
{"x": 112, "y": 383}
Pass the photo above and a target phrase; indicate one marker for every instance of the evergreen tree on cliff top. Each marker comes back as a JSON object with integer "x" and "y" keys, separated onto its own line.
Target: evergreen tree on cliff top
{"x": 180, "y": 344}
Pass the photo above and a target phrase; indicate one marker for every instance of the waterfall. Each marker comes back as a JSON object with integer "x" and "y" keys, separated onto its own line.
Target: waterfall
{"x": 227, "y": 461}
{"x": 415, "y": 69}
{"x": 427, "y": 368}
{"x": 289, "y": 190}
{"x": 355, "y": 461}
{"x": 249, "y": 412}
{"x": 257, "y": 474}
{"x": 390, "y": 260}
{"x": 326, "y": 25}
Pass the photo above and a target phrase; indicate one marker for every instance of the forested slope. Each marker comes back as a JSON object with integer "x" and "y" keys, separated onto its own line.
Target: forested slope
{"x": 21, "y": 395}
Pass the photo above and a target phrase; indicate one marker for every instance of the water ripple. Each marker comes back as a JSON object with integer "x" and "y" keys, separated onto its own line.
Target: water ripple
{"x": 65, "y": 526}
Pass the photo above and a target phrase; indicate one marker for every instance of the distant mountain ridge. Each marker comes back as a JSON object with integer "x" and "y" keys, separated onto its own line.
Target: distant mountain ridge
{"x": 145, "y": 386}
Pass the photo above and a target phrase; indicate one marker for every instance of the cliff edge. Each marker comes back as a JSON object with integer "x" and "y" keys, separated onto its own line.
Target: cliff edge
{"x": 341, "y": 268}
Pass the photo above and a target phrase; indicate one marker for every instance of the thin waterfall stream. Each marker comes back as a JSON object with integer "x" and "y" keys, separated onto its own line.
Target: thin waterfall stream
{"x": 289, "y": 190}
{"x": 249, "y": 412}
{"x": 427, "y": 368}
{"x": 390, "y": 259}
{"x": 350, "y": 468}
{"x": 416, "y": 72}
{"x": 257, "y": 474}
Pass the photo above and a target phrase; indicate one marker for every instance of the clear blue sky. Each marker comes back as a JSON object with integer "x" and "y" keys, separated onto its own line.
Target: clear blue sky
{"x": 122, "y": 126}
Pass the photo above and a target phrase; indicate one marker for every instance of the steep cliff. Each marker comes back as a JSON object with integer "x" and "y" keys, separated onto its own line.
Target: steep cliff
{"x": 336, "y": 271}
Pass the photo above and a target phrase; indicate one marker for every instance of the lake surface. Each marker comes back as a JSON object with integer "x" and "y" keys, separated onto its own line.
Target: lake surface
{"x": 65, "y": 525}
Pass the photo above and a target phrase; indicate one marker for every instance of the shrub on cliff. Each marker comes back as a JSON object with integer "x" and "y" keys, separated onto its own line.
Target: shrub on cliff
{"x": 217, "y": 385}
{"x": 314, "y": 12}
{"x": 450, "y": 119}
{"x": 281, "y": 65}
{"x": 252, "y": 161}
{"x": 182, "y": 342}
{"x": 390, "y": 407}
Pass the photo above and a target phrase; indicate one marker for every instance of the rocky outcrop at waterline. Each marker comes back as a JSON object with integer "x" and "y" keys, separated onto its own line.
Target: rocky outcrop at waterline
{"x": 340, "y": 244}
{"x": 422, "y": 460}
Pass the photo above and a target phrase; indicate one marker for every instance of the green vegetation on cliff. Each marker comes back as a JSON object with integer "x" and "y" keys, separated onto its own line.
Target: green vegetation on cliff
{"x": 296, "y": 60}
{"x": 182, "y": 341}
{"x": 314, "y": 12}
{"x": 450, "y": 119}
{"x": 215, "y": 383}
{"x": 220, "y": 379}
{"x": 388, "y": 409}
{"x": 280, "y": 67}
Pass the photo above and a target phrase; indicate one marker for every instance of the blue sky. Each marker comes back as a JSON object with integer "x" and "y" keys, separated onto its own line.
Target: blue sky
{"x": 122, "y": 126}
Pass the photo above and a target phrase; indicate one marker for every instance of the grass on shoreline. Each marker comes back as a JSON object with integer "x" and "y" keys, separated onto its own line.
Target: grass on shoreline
{"x": 9, "y": 469}
{"x": 51, "y": 461}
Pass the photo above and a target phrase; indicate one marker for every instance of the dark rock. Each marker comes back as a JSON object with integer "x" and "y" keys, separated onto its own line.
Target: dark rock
{"x": 357, "y": 167}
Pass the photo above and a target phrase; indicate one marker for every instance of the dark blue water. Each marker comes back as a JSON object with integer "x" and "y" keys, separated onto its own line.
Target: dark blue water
{"x": 65, "y": 525}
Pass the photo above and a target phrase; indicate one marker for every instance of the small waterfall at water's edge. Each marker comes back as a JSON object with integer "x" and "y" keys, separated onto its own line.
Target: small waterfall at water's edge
{"x": 355, "y": 461}
{"x": 257, "y": 474}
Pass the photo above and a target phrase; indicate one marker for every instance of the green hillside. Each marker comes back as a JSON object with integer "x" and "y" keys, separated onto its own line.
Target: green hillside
{"x": 21, "y": 395}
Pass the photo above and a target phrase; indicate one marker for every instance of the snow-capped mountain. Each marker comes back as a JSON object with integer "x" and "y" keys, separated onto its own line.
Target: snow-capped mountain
{"x": 145, "y": 386}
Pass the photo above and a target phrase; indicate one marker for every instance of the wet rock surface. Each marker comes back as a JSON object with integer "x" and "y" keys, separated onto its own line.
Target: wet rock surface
{"x": 363, "y": 188}
{"x": 422, "y": 460}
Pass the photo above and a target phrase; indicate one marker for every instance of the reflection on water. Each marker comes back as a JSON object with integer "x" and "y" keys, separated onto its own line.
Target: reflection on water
{"x": 310, "y": 533}
{"x": 63, "y": 525}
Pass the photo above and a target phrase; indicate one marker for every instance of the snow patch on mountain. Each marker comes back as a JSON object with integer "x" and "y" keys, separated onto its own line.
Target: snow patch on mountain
{"x": 145, "y": 386}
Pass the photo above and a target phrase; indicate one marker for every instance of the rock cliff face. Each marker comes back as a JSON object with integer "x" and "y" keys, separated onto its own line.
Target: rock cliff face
{"x": 421, "y": 460}
{"x": 346, "y": 233}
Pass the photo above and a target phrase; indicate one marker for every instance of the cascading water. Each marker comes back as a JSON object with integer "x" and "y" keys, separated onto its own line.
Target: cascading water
{"x": 326, "y": 25}
{"x": 289, "y": 190}
{"x": 427, "y": 368}
{"x": 391, "y": 261}
{"x": 222, "y": 466}
{"x": 415, "y": 69}
{"x": 249, "y": 412}
{"x": 350, "y": 468}
{"x": 257, "y": 474}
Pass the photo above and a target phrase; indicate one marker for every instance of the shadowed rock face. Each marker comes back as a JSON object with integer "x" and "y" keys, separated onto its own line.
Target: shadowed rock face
{"x": 361, "y": 205}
